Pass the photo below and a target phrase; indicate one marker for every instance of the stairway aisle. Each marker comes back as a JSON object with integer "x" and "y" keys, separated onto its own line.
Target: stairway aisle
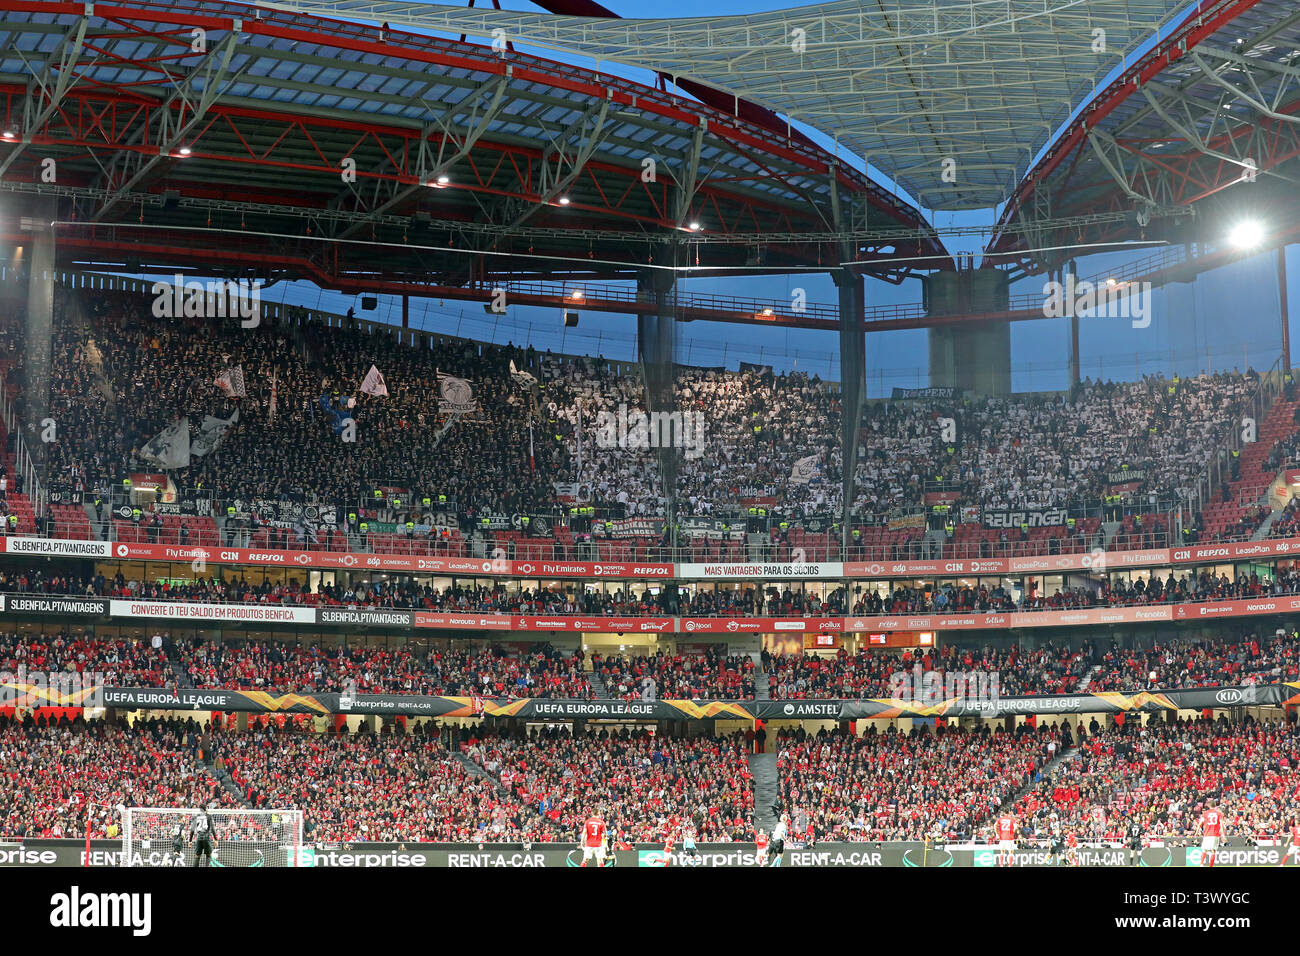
{"x": 766, "y": 789}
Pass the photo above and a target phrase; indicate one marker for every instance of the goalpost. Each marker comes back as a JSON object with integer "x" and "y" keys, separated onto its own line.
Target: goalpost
{"x": 240, "y": 838}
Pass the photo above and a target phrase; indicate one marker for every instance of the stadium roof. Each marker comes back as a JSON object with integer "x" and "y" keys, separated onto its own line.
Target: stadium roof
{"x": 1209, "y": 119}
{"x": 953, "y": 100}
{"x": 250, "y": 128}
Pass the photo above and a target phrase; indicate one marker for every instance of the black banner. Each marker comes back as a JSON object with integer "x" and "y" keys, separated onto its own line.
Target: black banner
{"x": 1123, "y": 477}
{"x": 141, "y": 698}
{"x": 537, "y": 526}
{"x": 797, "y": 709}
{"x": 936, "y": 392}
{"x": 50, "y": 604}
{"x": 281, "y": 513}
{"x": 1034, "y": 518}
{"x": 1114, "y": 702}
{"x": 227, "y": 701}
{"x": 189, "y": 507}
{"x": 630, "y": 528}
{"x": 714, "y": 528}
{"x": 815, "y": 524}
{"x": 366, "y": 617}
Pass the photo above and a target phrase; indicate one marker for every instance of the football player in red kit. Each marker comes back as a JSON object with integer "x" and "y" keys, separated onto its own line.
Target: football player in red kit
{"x": 1211, "y": 832}
{"x": 1293, "y": 850}
{"x": 1072, "y": 849}
{"x": 593, "y": 840}
{"x": 1006, "y": 830}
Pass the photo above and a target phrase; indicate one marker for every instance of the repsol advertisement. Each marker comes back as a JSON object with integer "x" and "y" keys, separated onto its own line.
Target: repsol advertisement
{"x": 108, "y": 853}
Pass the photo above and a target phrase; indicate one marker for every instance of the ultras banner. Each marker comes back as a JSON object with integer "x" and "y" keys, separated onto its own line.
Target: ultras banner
{"x": 108, "y": 853}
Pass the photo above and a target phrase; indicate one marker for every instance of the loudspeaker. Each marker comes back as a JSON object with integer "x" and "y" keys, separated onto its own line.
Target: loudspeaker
{"x": 570, "y": 318}
{"x": 368, "y": 302}
{"x": 171, "y": 199}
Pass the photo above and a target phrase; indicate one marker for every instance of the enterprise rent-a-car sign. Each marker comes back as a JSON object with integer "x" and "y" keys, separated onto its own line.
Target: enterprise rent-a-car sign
{"x": 69, "y": 853}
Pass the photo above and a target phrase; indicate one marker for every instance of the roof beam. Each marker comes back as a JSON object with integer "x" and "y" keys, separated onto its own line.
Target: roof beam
{"x": 494, "y": 88}
{"x": 48, "y": 86}
{"x": 552, "y": 183}
{"x": 216, "y": 65}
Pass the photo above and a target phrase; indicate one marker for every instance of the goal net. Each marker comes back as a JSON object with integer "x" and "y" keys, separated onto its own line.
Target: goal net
{"x": 166, "y": 837}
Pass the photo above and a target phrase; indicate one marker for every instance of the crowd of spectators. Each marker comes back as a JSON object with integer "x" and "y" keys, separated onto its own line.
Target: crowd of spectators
{"x": 1223, "y": 661}
{"x": 124, "y": 662}
{"x": 1287, "y": 524}
{"x": 120, "y": 375}
{"x": 392, "y": 787}
{"x": 542, "y": 671}
{"x": 366, "y": 787}
{"x": 1187, "y": 587}
{"x": 1011, "y": 671}
{"x": 1044, "y": 451}
{"x": 1162, "y": 775}
{"x": 710, "y": 675}
{"x": 707, "y": 672}
{"x": 52, "y": 773}
{"x": 907, "y": 786}
{"x": 642, "y": 782}
{"x": 591, "y": 402}
{"x": 757, "y": 426}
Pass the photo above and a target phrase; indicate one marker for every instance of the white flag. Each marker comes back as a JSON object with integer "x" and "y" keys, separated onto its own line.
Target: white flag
{"x": 455, "y": 394}
{"x": 170, "y": 448}
{"x": 805, "y": 470}
{"x": 522, "y": 378}
{"x": 211, "y": 432}
{"x": 374, "y": 383}
{"x": 231, "y": 382}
